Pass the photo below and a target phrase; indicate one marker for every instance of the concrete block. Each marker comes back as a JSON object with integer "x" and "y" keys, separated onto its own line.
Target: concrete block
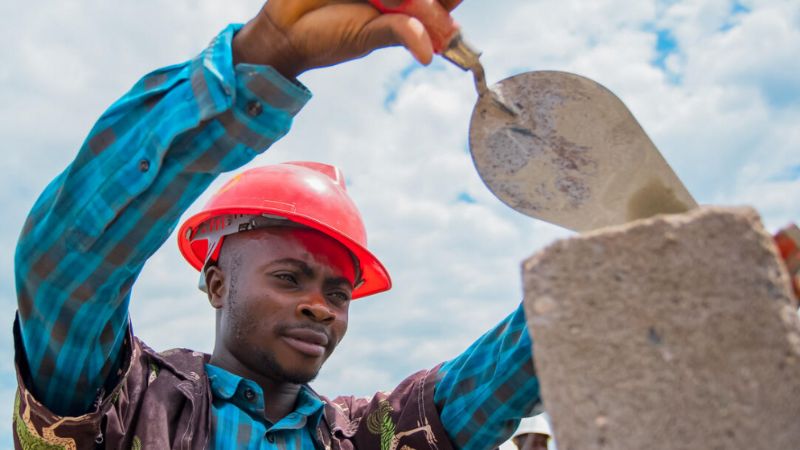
{"x": 677, "y": 332}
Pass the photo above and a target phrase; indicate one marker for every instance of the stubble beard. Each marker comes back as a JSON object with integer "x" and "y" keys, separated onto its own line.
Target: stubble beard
{"x": 266, "y": 364}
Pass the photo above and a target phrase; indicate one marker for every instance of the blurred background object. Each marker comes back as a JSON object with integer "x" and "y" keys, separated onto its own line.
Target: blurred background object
{"x": 533, "y": 433}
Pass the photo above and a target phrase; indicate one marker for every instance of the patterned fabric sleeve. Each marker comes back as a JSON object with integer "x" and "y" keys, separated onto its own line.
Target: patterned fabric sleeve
{"x": 483, "y": 392}
{"x": 150, "y": 155}
{"x": 404, "y": 418}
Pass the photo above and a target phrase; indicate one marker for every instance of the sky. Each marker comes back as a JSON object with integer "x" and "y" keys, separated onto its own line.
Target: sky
{"x": 713, "y": 82}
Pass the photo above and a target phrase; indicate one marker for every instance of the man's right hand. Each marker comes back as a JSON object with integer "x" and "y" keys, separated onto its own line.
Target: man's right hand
{"x": 294, "y": 36}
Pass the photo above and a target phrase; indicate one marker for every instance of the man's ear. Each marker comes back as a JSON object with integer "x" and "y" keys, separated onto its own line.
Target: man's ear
{"x": 215, "y": 286}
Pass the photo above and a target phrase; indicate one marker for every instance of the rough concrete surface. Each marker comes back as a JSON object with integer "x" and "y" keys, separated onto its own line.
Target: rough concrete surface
{"x": 678, "y": 332}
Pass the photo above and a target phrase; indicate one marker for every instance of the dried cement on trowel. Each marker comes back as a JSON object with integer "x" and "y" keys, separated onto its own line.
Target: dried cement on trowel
{"x": 677, "y": 332}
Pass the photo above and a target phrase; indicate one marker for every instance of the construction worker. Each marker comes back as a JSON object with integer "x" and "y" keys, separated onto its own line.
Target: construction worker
{"x": 282, "y": 252}
{"x": 533, "y": 433}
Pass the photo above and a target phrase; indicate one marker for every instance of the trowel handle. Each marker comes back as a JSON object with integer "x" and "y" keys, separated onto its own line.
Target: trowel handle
{"x": 788, "y": 242}
{"x": 441, "y": 27}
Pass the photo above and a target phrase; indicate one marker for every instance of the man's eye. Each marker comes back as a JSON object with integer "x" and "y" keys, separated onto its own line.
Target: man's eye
{"x": 289, "y": 278}
{"x": 339, "y": 297}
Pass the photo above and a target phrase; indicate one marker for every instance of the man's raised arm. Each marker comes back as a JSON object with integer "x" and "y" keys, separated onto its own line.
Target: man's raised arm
{"x": 149, "y": 156}
{"x": 484, "y": 392}
{"x": 145, "y": 161}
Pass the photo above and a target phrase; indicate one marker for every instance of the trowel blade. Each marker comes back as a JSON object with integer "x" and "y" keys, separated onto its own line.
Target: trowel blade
{"x": 574, "y": 155}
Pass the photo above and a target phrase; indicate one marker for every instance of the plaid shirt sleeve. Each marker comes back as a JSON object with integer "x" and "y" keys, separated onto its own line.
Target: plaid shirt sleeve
{"x": 484, "y": 392}
{"x": 150, "y": 155}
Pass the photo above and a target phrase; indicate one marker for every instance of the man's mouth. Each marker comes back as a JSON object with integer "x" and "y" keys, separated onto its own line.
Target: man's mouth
{"x": 306, "y": 341}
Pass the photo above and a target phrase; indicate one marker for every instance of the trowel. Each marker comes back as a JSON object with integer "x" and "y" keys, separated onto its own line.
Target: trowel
{"x": 574, "y": 155}
{"x": 557, "y": 146}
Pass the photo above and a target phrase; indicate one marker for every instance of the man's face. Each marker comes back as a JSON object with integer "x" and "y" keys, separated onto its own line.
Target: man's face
{"x": 531, "y": 441}
{"x": 283, "y": 296}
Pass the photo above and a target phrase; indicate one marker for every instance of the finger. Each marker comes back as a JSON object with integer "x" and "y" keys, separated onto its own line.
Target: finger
{"x": 440, "y": 26}
{"x": 287, "y": 12}
{"x": 398, "y": 29}
{"x": 450, "y": 4}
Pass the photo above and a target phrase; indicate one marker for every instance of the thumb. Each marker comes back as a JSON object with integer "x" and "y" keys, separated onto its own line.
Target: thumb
{"x": 387, "y": 30}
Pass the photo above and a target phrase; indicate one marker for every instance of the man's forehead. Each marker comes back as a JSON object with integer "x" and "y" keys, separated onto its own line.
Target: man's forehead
{"x": 275, "y": 235}
{"x": 272, "y": 243}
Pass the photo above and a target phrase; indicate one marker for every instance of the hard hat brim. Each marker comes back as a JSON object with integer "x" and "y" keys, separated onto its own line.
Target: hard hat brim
{"x": 374, "y": 276}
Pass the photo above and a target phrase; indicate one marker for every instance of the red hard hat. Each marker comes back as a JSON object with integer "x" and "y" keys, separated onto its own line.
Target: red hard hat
{"x": 308, "y": 193}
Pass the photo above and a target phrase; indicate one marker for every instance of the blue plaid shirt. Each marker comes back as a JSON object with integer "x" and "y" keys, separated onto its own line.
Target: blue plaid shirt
{"x": 238, "y": 410}
{"x": 150, "y": 155}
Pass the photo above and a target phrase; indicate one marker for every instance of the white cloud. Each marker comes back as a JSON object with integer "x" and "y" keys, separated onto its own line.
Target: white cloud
{"x": 729, "y": 128}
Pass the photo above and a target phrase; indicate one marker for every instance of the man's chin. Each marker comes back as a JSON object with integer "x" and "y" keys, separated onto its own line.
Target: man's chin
{"x": 294, "y": 375}
{"x": 297, "y": 377}
{"x": 273, "y": 369}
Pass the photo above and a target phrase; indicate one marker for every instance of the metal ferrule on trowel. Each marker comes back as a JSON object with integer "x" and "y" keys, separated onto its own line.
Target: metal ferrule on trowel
{"x": 461, "y": 53}
{"x": 465, "y": 56}
{"x": 450, "y": 44}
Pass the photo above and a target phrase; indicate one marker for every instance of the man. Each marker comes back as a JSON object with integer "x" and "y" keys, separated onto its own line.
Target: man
{"x": 282, "y": 253}
{"x": 533, "y": 433}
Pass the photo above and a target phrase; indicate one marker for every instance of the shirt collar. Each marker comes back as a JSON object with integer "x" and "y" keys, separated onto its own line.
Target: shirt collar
{"x": 223, "y": 383}
{"x": 310, "y": 405}
{"x": 247, "y": 395}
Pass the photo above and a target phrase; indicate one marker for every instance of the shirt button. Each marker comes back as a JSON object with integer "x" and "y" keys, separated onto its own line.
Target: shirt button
{"x": 249, "y": 395}
{"x": 269, "y": 437}
{"x": 144, "y": 165}
{"x": 254, "y": 108}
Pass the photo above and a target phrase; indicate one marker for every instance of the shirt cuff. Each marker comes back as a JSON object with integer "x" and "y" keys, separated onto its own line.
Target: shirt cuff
{"x": 249, "y": 88}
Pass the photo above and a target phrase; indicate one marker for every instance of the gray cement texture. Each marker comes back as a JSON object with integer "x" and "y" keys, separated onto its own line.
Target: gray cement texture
{"x": 676, "y": 332}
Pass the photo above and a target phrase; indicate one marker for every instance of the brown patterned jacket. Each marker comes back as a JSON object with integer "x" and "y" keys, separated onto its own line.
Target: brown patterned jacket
{"x": 163, "y": 401}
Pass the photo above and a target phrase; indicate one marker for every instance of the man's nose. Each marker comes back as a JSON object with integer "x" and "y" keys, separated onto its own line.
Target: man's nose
{"x": 315, "y": 307}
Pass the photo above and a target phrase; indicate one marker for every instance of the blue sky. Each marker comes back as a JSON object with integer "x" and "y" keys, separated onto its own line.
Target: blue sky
{"x": 713, "y": 82}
